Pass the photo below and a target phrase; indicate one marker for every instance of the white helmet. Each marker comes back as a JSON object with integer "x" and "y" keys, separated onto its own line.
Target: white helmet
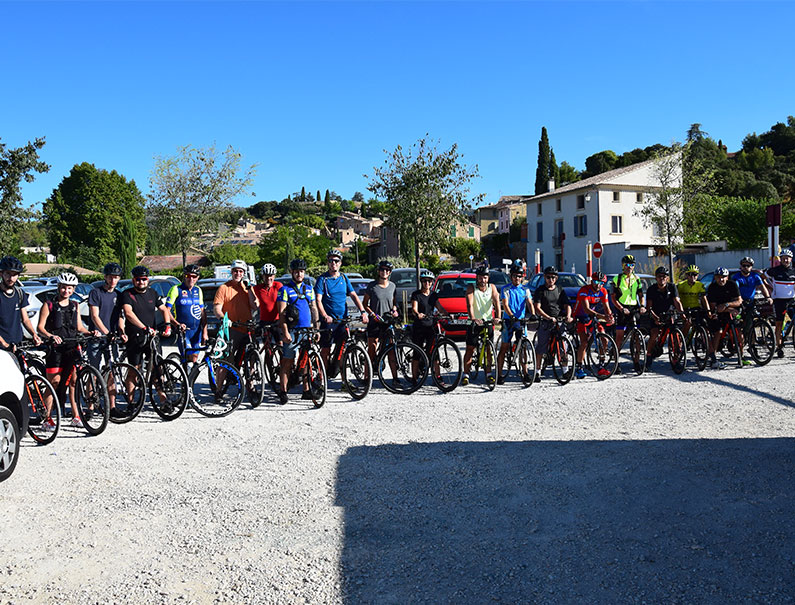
{"x": 786, "y": 252}
{"x": 69, "y": 279}
{"x": 267, "y": 269}
{"x": 239, "y": 264}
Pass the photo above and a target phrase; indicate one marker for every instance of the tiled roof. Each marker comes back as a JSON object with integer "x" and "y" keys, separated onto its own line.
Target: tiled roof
{"x": 173, "y": 261}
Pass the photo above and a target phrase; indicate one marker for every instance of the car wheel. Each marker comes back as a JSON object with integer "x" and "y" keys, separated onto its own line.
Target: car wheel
{"x": 10, "y": 435}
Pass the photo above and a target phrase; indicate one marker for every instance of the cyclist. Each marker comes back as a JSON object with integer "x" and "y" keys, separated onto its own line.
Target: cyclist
{"x": 333, "y": 288}
{"x": 723, "y": 300}
{"x": 13, "y": 305}
{"x": 297, "y": 309}
{"x": 186, "y": 304}
{"x": 592, "y": 303}
{"x": 550, "y": 303}
{"x": 423, "y": 303}
{"x": 483, "y": 304}
{"x": 379, "y": 301}
{"x": 660, "y": 297}
{"x": 782, "y": 282}
{"x": 236, "y": 301}
{"x": 626, "y": 296}
{"x": 748, "y": 281}
{"x": 692, "y": 295}
{"x": 514, "y": 299}
{"x": 266, "y": 296}
{"x": 59, "y": 319}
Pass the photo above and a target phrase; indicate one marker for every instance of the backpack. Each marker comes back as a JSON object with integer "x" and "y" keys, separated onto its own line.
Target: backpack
{"x": 291, "y": 312}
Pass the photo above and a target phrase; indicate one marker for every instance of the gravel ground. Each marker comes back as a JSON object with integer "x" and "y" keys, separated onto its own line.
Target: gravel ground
{"x": 640, "y": 489}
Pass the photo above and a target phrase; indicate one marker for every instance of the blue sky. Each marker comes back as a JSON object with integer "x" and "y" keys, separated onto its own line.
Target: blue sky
{"x": 314, "y": 92}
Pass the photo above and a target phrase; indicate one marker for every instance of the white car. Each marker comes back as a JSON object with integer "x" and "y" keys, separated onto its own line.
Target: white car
{"x": 13, "y": 414}
{"x": 37, "y": 296}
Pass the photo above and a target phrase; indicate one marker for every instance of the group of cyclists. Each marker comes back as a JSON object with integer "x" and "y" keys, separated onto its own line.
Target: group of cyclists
{"x": 291, "y": 312}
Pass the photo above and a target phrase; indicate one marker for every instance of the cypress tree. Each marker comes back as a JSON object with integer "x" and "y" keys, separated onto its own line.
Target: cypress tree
{"x": 327, "y": 199}
{"x": 554, "y": 171}
{"x": 542, "y": 172}
{"x": 126, "y": 246}
{"x": 318, "y": 195}
{"x": 303, "y": 194}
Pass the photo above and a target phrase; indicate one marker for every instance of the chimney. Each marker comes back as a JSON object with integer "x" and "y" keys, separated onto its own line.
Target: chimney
{"x": 551, "y": 185}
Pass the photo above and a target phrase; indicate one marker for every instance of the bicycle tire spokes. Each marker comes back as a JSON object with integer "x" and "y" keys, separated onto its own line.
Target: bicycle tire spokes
{"x": 210, "y": 399}
{"x": 44, "y": 408}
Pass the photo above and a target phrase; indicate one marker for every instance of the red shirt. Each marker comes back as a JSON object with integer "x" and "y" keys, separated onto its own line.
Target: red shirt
{"x": 268, "y": 309}
{"x": 597, "y": 301}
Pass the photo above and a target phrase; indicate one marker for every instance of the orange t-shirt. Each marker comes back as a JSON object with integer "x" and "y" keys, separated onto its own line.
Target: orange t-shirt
{"x": 233, "y": 298}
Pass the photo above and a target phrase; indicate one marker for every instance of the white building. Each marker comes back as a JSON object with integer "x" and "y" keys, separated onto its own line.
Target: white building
{"x": 603, "y": 208}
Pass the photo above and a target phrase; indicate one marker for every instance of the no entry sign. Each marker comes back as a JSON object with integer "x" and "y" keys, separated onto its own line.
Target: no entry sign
{"x": 597, "y": 250}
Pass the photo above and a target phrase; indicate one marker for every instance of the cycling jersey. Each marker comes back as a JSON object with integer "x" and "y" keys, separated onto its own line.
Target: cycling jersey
{"x": 783, "y": 279}
{"x": 627, "y": 289}
{"x": 659, "y": 299}
{"x": 691, "y": 295}
{"x": 597, "y": 300}
{"x": 747, "y": 284}
{"x": 516, "y": 296}
{"x": 188, "y": 304}
{"x": 301, "y": 296}
{"x": 335, "y": 291}
{"x": 267, "y": 297}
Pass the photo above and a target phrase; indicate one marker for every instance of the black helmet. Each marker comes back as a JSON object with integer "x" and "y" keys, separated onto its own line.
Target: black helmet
{"x": 298, "y": 264}
{"x": 427, "y": 274}
{"x": 140, "y": 271}
{"x": 192, "y": 269}
{"x": 550, "y": 271}
{"x": 11, "y": 263}
{"x": 627, "y": 259}
{"x": 482, "y": 270}
{"x": 517, "y": 266}
{"x": 385, "y": 264}
{"x": 598, "y": 277}
{"x": 112, "y": 269}
{"x": 661, "y": 271}
{"x": 746, "y": 260}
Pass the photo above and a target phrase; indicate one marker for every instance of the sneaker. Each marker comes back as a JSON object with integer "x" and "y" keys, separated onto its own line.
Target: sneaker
{"x": 490, "y": 380}
{"x": 538, "y": 377}
{"x": 747, "y": 362}
{"x": 618, "y": 370}
{"x": 780, "y": 353}
{"x": 48, "y": 426}
{"x": 397, "y": 384}
{"x": 167, "y": 408}
{"x": 282, "y": 396}
{"x": 76, "y": 422}
{"x": 501, "y": 380}
{"x": 580, "y": 373}
{"x": 465, "y": 380}
{"x": 716, "y": 365}
{"x": 603, "y": 372}
{"x": 306, "y": 395}
{"x": 117, "y": 413}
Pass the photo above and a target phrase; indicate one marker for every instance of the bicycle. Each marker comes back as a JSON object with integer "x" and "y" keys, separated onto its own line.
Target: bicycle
{"x": 308, "y": 367}
{"x": 349, "y": 358}
{"x": 560, "y": 352}
{"x": 204, "y": 395}
{"x": 407, "y": 362}
{"x": 729, "y": 342}
{"x": 788, "y": 323}
{"x": 270, "y": 352}
{"x": 447, "y": 367}
{"x": 128, "y": 383}
{"x": 521, "y": 352}
{"x": 698, "y": 337}
{"x": 484, "y": 355}
{"x": 250, "y": 364}
{"x": 601, "y": 350}
{"x": 637, "y": 343}
{"x": 40, "y": 396}
{"x": 671, "y": 336}
{"x": 759, "y": 336}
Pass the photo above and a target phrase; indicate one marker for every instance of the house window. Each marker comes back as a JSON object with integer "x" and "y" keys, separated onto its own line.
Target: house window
{"x": 580, "y": 202}
{"x": 616, "y": 196}
{"x": 539, "y": 208}
{"x": 656, "y": 230}
{"x": 639, "y": 197}
{"x": 539, "y": 232}
{"x": 580, "y": 225}
{"x": 471, "y": 232}
{"x": 616, "y": 224}
{"x": 557, "y": 205}
{"x": 559, "y": 261}
{"x": 558, "y": 231}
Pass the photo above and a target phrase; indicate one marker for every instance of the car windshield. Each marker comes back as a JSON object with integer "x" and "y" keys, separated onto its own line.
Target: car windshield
{"x": 454, "y": 288}
{"x": 570, "y": 280}
{"x": 498, "y": 278}
{"x": 403, "y": 279}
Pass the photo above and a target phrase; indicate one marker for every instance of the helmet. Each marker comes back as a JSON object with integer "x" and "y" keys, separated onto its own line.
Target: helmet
{"x": 140, "y": 271}
{"x": 239, "y": 264}
{"x": 334, "y": 253}
{"x": 722, "y": 271}
{"x": 598, "y": 277}
{"x": 786, "y": 252}
{"x": 192, "y": 269}
{"x": 298, "y": 264}
{"x": 747, "y": 260}
{"x": 627, "y": 259}
{"x": 69, "y": 279}
{"x": 112, "y": 269}
{"x": 661, "y": 271}
{"x": 482, "y": 270}
{"x": 517, "y": 266}
{"x": 385, "y": 264}
{"x": 550, "y": 270}
{"x": 426, "y": 274}
{"x": 692, "y": 269}
{"x": 267, "y": 269}
{"x": 11, "y": 263}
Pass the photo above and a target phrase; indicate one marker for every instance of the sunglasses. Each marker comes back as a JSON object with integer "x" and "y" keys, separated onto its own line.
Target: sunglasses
{"x": 334, "y": 260}
{"x": 629, "y": 265}
{"x": 192, "y": 275}
{"x": 550, "y": 277}
{"x": 141, "y": 279}
{"x": 745, "y": 266}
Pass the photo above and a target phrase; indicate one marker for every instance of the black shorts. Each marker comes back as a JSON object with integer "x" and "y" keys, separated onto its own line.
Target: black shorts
{"x": 543, "y": 336}
{"x": 136, "y": 349}
{"x": 423, "y": 336}
{"x": 472, "y": 334}
{"x": 780, "y": 305}
{"x": 61, "y": 359}
{"x": 237, "y": 342}
{"x": 622, "y": 319}
{"x": 717, "y": 323}
{"x": 375, "y": 329}
{"x": 331, "y": 333}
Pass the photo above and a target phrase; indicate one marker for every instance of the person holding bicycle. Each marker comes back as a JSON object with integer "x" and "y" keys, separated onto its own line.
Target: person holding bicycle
{"x": 237, "y": 302}
{"x": 660, "y": 297}
{"x": 423, "y": 303}
{"x": 782, "y": 282}
{"x": 59, "y": 319}
{"x": 692, "y": 295}
{"x": 186, "y": 304}
{"x": 379, "y": 301}
{"x": 266, "y": 297}
{"x": 551, "y": 304}
{"x": 723, "y": 302}
{"x": 748, "y": 282}
{"x": 483, "y": 304}
{"x": 514, "y": 305}
{"x": 297, "y": 309}
{"x": 592, "y": 303}
{"x": 13, "y": 304}
{"x": 626, "y": 296}
{"x": 333, "y": 288}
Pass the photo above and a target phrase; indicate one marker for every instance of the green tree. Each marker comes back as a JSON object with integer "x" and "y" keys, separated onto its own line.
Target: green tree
{"x": 542, "y": 170}
{"x": 600, "y": 162}
{"x": 303, "y": 194}
{"x": 425, "y": 189}
{"x": 568, "y": 174}
{"x": 554, "y": 171}
{"x": 347, "y": 206}
{"x": 743, "y": 222}
{"x": 16, "y": 165}
{"x": 327, "y": 199}
{"x": 127, "y": 245}
{"x": 461, "y": 247}
{"x": 358, "y": 197}
{"x": 190, "y": 188}
{"x": 318, "y": 195}
{"x": 226, "y": 253}
{"x": 85, "y": 213}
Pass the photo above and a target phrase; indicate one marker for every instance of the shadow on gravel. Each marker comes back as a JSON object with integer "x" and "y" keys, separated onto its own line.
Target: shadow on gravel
{"x": 733, "y": 382}
{"x": 586, "y": 521}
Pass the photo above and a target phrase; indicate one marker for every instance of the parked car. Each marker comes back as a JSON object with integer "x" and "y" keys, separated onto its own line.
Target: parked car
{"x": 451, "y": 288}
{"x": 38, "y": 295}
{"x": 405, "y": 280}
{"x": 13, "y": 414}
{"x": 284, "y": 279}
{"x": 209, "y": 288}
{"x": 499, "y": 278}
{"x": 645, "y": 279}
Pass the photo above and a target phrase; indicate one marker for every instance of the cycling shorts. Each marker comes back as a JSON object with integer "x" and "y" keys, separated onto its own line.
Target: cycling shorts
{"x": 136, "y": 349}
{"x": 193, "y": 340}
{"x": 584, "y": 326}
{"x": 780, "y": 305}
{"x": 331, "y": 333}
{"x": 423, "y": 337}
{"x": 61, "y": 360}
{"x": 717, "y": 323}
{"x": 375, "y": 329}
{"x": 623, "y": 319}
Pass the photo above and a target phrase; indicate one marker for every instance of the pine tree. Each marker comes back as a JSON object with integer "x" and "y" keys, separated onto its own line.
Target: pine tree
{"x": 542, "y": 172}
{"x": 126, "y": 246}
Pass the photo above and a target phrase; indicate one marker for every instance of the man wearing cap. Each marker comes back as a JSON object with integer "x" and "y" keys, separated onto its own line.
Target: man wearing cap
{"x": 236, "y": 301}
{"x": 626, "y": 296}
{"x": 13, "y": 305}
{"x": 781, "y": 279}
{"x": 660, "y": 297}
{"x": 186, "y": 303}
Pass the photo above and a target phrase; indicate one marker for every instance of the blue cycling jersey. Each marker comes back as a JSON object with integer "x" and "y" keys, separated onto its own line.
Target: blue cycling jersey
{"x": 747, "y": 284}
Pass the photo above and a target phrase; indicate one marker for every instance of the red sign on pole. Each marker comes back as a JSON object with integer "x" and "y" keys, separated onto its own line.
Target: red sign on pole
{"x": 773, "y": 215}
{"x": 597, "y": 250}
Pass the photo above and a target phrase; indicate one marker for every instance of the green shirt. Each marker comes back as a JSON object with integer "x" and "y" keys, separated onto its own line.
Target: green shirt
{"x": 627, "y": 289}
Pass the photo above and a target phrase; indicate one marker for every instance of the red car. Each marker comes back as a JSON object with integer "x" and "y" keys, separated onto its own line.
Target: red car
{"x": 451, "y": 288}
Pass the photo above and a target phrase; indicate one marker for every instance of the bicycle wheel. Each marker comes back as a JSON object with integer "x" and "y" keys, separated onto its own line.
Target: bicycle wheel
{"x": 254, "y": 373}
{"x": 761, "y": 342}
{"x": 10, "y": 436}
{"x": 272, "y": 364}
{"x": 37, "y": 365}
{"x": 486, "y": 359}
{"x": 130, "y": 388}
{"x": 526, "y": 362}
{"x": 43, "y": 425}
{"x": 507, "y": 363}
{"x": 92, "y": 400}
{"x": 677, "y": 350}
{"x": 207, "y": 398}
{"x": 446, "y": 365}
{"x": 168, "y": 389}
{"x": 357, "y": 371}
{"x": 637, "y": 351}
{"x": 734, "y": 346}
{"x": 403, "y": 355}
{"x": 563, "y": 359}
{"x": 316, "y": 373}
{"x": 602, "y": 356}
{"x": 699, "y": 344}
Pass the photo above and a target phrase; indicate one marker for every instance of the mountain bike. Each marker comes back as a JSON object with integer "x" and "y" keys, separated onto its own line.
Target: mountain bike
{"x": 601, "y": 352}
{"x": 729, "y": 342}
{"x": 637, "y": 343}
{"x": 485, "y": 355}
{"x": 788, "y": 324}
{"x": 671, "y": 336}
{"x": 250, "y": 364}
{"x": 407, "y": 363}
{"x": 350, "y": 360}
{"x": 521, "y": 352}
{"x": 166, "y": 379}
{"x": 40, "y": 396}
{"x": 308, "y": 367}
{"x": 560, "y": 355}
{"x": 447, "y": 367}
{"x": 126, "y": 384}
{"x": 270, "y": 352}
{"x": 759, "y": 336}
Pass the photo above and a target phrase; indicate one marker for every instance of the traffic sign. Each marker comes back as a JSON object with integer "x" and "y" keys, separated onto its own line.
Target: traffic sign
{"x": 597, "y": 250}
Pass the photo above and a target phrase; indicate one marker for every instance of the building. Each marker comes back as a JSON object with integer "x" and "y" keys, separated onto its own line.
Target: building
{"x": 350, "y": 225}
{"x": 604, "y": 208}
{"x": 497, "y": 218}
{"x": 463, "y": 228}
